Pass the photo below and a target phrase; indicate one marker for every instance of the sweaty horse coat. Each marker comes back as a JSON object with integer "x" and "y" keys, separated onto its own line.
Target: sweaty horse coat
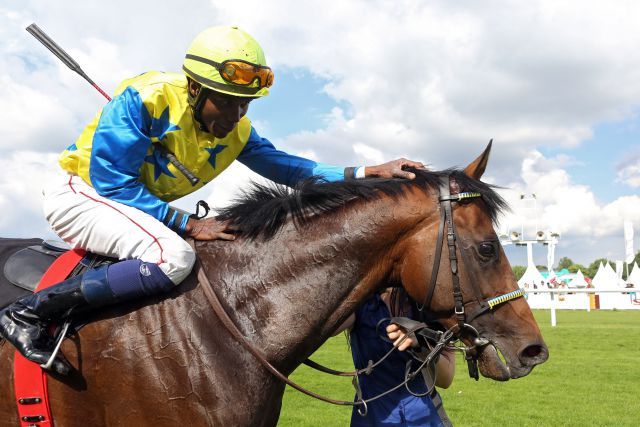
{"x": 169, "y": 361}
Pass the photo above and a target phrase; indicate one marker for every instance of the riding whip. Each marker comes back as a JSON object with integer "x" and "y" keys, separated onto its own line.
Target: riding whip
{"x": 43, "y": 38}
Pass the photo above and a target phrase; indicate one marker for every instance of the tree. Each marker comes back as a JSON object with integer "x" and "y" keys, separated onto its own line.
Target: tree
{"x": 564, "y": 262}
{"x": 573, "y": 268}
{"x": 518, "y": 270}
{"x": 626, "y": 270}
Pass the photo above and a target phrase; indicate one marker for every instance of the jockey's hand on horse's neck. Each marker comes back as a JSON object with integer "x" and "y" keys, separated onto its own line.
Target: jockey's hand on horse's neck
{"x": 209, "y": 229}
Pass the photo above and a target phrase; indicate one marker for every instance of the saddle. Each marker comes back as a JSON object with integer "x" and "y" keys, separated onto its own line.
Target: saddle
{"x": 23, "y": 262}
{"x": 25, "y": 266}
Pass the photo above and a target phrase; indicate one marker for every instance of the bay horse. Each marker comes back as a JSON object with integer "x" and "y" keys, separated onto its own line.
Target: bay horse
{"x": 304, "y": 261}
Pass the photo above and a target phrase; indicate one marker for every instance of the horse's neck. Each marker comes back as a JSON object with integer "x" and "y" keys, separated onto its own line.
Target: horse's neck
{"x": 289, "y": 294}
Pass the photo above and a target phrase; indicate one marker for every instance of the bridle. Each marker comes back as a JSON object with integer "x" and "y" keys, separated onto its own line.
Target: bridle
{"x": 445, "y": 199}
{"x": 438, "y": 339}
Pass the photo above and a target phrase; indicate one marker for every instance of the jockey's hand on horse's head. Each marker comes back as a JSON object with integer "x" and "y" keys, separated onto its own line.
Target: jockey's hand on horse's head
{"x": 210, "y": 229}
{"x": 393, "y": 169}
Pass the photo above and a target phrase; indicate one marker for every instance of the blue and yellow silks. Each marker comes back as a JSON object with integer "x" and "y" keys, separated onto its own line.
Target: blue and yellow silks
{"x": 117, "y": 152}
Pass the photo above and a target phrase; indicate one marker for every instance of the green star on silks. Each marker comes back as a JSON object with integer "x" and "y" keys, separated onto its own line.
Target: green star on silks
{"x": 158, "y": 131}
{"x": 213, "y": 152}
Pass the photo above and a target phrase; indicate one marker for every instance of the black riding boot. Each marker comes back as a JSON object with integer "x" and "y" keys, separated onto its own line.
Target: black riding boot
{"x": 24, "y": 323}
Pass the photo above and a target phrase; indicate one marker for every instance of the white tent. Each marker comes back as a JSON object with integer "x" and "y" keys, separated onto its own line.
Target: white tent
{"x": 578, "y": 281}
{"x": 618, "y": 272}
{"x": 611, "y": 278}
{"x": 531, "y": 276}
{"x": 634, "y": 277}
{"x": 612, "y": 281}
{"x": 599, "y": 279}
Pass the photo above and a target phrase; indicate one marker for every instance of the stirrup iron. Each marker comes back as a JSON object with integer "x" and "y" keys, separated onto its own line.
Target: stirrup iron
{"x": 61, "y": 337}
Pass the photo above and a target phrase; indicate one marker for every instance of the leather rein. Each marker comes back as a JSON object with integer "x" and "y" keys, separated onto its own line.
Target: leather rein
{"x": 215, "y": 303}
{"x": 438, "y": 340}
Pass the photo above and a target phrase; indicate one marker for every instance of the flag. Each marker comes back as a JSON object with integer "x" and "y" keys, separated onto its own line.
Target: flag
{"x": 551, "y": 253}
{"x": 619, "y": 269}
{"x": 628, "y": 240}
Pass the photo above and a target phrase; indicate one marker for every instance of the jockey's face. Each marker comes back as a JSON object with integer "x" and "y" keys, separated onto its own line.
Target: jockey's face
{"x": 221, "y": 113}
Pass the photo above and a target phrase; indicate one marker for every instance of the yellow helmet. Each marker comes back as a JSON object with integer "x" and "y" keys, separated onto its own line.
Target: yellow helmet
{"x": 226, "y": 59}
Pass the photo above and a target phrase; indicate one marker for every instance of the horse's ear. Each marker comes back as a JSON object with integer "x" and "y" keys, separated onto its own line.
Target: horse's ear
{"x": 477, "y": 167}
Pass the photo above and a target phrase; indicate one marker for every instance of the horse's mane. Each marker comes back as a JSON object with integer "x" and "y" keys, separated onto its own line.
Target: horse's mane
{"x": 263, "y": 210}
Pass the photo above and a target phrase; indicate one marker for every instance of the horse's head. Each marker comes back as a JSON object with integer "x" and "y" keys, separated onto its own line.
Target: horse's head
{"x": 370, "y": 233}
{"x": 491, "y": 316}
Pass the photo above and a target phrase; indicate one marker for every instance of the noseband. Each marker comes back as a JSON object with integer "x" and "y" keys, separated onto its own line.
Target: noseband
{"x": 463, "y": 320}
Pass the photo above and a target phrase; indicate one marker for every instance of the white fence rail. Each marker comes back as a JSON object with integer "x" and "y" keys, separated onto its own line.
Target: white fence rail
{"x": 583, "y": 299}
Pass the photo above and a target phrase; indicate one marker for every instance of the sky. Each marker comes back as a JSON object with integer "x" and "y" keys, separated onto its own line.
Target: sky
{"x": 553, "y": 83}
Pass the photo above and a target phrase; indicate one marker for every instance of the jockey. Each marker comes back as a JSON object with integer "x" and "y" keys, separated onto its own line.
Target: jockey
{"x": 112, "y": 197}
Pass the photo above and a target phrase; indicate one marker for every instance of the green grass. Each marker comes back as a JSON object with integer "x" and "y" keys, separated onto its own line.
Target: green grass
{"x": 592, "y": 378}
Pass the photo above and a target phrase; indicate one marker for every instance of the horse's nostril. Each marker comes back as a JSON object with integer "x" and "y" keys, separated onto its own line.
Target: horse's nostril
{"x": 532, "y": 351}
{"x": 532, "y": 355}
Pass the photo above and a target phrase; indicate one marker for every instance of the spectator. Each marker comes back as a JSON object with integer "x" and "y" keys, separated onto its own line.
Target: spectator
{"x": 398, "y": 407}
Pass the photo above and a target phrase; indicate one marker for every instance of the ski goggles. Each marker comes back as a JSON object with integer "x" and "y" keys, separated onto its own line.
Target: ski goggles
{"x": 240, "y": 72}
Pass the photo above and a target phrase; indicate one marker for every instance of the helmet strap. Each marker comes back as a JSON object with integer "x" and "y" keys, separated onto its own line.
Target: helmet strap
{"x": 197, "y": 104}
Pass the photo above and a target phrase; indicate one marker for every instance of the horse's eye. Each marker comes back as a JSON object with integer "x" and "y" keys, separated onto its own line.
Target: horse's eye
{"x": 487, "y": 249}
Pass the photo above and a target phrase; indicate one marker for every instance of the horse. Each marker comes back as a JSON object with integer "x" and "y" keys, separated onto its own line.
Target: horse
{"x": 305, "y": 259}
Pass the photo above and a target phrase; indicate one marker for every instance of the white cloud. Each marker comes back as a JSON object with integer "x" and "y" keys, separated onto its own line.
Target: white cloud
{"x": 224, "y": 189}
{"x": 629, "y": 171}
{"x": 437, "y": 78}
{"x": 34, "y": 118}
{"x": 432, "y": 81}
{"x": 24, "y": 175}
{"x": 369, "y": 154}
{"x": 565, "y": 207}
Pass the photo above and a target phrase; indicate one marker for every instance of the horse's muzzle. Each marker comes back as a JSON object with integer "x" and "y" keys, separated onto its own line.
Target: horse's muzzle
{"x": 530, "y": 355}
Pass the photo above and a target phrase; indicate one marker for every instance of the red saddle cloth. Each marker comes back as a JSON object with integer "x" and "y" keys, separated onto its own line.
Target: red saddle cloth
{"x": 29, "y": 379}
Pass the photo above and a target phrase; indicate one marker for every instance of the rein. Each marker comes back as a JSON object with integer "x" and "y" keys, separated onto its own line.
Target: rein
{"x": 215, "y": 303}
{"x": 441, "y": 339}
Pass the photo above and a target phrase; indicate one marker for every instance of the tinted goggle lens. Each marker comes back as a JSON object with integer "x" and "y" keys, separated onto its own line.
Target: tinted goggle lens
{"x": 244, "y": 73}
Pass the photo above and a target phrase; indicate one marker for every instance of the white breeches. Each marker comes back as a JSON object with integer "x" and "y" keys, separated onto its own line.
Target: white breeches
{"x": 84, "y": 219}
